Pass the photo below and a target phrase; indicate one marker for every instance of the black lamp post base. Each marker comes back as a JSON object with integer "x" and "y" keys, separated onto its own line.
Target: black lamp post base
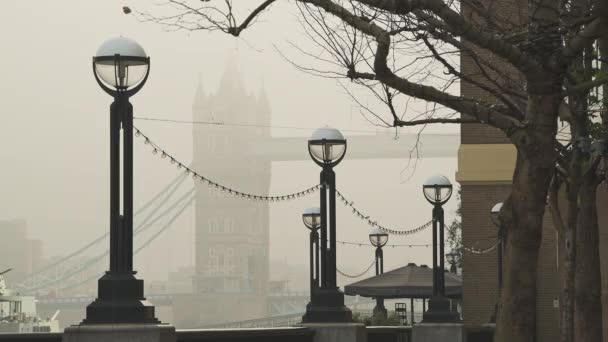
{"x": 120, "y": 300}
{"x": 439, "y": 312}
{"x": 380, "y": 310}
{"x": 327, "y": 306}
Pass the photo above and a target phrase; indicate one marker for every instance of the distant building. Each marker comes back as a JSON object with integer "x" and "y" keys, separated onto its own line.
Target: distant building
{"x": 17, "y": 251}
{"x": 231, "y": 235}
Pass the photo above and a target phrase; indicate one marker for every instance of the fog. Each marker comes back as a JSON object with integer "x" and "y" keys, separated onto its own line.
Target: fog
{"x": 54, "y": 134}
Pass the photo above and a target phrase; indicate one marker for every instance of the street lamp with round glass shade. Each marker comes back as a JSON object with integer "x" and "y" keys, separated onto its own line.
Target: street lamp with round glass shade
{"x": 495, "y": 214}
{"x": 121, "y": 68}
{"x": 437, "y": 189}
{"x": 378, "y": 237}
{"x": 327, "y": 146}
{"x": 121, "y": 65}
{"x": 312, "y": 218}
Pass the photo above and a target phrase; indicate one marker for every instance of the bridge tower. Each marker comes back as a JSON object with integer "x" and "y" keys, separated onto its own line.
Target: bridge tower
{"x": 231, "y": 234}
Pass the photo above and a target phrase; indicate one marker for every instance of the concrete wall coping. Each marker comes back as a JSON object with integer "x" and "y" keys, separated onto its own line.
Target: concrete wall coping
{"x": 248, "y": 332}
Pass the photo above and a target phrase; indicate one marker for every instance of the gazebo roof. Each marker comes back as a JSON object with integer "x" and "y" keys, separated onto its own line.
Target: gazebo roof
{"x": 410, "y": 281}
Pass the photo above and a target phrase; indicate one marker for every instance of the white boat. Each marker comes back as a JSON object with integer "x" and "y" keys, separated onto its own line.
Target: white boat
{"x": 18, "y": 313}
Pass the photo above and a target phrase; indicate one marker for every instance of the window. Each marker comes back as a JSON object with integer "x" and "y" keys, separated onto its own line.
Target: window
{"x": 213, "y": 226}
{"x": 229, "y": 226}
{"x": 213, "y": 262}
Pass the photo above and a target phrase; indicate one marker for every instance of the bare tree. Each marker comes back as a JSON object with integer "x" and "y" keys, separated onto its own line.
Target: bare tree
{"x": 521, "y": 55}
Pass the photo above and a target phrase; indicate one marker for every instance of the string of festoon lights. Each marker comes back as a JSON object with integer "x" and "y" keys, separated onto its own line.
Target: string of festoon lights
{"x": 367, "y": 219}
{"x": 356, "y": 275}
{"x": 362, "y": 244}
{"x": 474, "y": 250}
{"x": 157, "y": 150}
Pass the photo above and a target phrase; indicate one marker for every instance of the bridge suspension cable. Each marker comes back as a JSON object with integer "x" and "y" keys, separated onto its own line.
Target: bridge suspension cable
{"x": 99, "y": 257}
{"x": 144, "y": 245}
{"x": 173, "y": 185}
{"x": 41, "y": 279}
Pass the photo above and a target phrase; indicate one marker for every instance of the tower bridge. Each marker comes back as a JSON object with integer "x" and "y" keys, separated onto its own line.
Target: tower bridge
{"x": 231, "y": 235}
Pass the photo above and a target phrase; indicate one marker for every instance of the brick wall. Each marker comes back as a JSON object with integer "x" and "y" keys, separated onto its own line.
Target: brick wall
{"x": 479, "y": 271}
{"x": 480, "y": 281}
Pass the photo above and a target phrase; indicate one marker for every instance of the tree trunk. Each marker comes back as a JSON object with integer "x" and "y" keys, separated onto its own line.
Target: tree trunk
{"x": 588, "y": 295}
{"x": 573, "y": 193}
{"x": 523, "y": 216}
{"x": 569, "y": 269}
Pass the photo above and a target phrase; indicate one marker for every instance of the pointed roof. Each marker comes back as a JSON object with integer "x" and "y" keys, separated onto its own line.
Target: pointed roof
{"x": 199, "y": 95}
{"x": 231, "y": 83}
{"x": 410, "y": 281}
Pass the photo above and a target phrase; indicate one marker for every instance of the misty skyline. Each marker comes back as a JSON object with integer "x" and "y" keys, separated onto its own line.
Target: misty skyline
{"x": 55, "y": 133}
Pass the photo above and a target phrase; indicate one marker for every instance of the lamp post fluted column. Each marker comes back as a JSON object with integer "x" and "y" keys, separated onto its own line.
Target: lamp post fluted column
{"x": 330, "y": 227}
{"x": 121, "y": 68}
{"x": 324, "y": 237}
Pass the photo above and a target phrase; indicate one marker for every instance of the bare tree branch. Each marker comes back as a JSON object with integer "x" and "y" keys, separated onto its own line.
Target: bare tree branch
{"x": 471, "y": 107}
{"x": 584, "y": 39}
{"x": 459, "y": 26}
{"x": 235, "y": 31}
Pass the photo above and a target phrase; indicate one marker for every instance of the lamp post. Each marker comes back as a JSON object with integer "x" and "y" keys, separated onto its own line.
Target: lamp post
{"x": 495, "y": 216}
{"x": 327, "y": 148}
{"x": 121, "y": 68}
{"x": 437, "y": 190}
{"x": 312, "y": 220}
{"x": 378, "y": 239}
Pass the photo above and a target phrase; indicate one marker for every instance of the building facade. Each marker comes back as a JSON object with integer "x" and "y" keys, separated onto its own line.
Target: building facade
{"x": 17, "y": 251}
{"x": 231, "y": 234}
{"x": 486, "y": 161}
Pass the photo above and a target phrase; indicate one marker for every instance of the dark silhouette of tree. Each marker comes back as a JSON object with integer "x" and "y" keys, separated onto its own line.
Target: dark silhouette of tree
{"x": 520, "y": 58}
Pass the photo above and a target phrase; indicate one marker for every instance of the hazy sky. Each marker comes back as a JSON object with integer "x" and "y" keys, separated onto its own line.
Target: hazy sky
{"x": 54, "y": 131}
